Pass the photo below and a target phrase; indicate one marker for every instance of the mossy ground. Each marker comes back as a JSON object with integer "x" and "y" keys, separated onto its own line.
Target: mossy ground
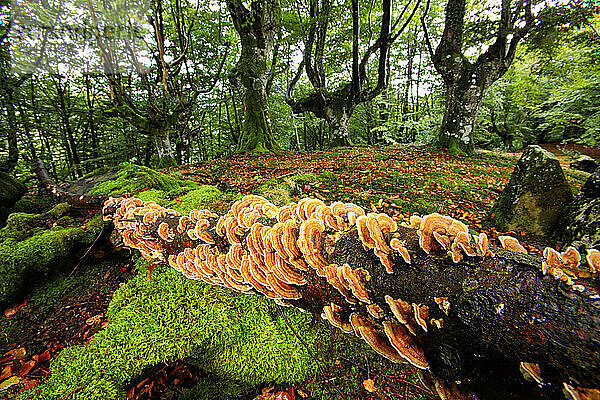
{"x": 234, "y": 337}
{"x": 133, "y": 179}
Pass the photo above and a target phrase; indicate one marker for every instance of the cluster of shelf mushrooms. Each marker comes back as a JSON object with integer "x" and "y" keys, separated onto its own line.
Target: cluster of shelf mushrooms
{"x": 259, "y": 247}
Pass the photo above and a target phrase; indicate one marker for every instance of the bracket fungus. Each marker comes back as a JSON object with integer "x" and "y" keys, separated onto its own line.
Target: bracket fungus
{"x": 328, "y": 258}
{"x": 512, "y": 244}
{"x": 593, "y": 260}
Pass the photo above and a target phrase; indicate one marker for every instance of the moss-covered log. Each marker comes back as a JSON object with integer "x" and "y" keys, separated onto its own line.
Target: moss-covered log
{"x": 427, "y": 292}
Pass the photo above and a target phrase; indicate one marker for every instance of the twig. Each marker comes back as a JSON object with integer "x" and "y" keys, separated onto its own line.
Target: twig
{"x": 407, "y": 382}
{"x": 86, "y": 252}
{"x": 286, "y": 175}
{"x": 309, "y": 351}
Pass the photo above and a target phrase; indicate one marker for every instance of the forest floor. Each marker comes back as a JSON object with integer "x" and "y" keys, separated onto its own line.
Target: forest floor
{"x": 400, "y": 181}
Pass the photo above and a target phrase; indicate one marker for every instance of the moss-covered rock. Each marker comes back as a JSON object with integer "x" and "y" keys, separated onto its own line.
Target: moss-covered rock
{"x": 34, "y": 204}
{"x": 278, "y": 191}
{"x": 26, "y": 260}
{"x": 133, "y": 179}
{"x": 535, "y": 198}
{"x": 581, "y": 226}
{"x": 11, "y": 190}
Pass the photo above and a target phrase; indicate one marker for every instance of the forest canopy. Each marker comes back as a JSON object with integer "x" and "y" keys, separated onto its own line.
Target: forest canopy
{"x": 164, "y": 82}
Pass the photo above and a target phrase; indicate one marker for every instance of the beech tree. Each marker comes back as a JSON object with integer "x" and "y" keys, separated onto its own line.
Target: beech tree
{"x": 170, "y": 86}
{"x": 336, "y": 105}
{"x": 466, "y": 81}
{"x": 257, "y": 26}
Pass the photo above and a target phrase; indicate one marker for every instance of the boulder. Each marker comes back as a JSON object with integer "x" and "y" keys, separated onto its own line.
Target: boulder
{"x": 582, "y": 222}
{"x": 585, "y": 163}
{"x": 536, "y": 196}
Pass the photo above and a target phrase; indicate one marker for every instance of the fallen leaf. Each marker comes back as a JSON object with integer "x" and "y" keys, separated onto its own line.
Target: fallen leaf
{"x": 369, "y": 385}
{"x": 6, "y": 372}
{"x": 12, "y": 310}
{"x": 282, "y": 396}
{"x": 268, "y": 389}
{"x": 28, "y": 384}
{"x": 95, "y": 320}
{"x": 43, "y": 357}
{"x": 10, "y": 382}
{"x": 28, "y": 366}
{"x": 18, "y": 353}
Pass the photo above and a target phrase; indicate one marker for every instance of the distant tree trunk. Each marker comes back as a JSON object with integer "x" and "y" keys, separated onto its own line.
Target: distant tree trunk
{"x": 13, "y": 149}
{"x": 162, "y": 142}
{"x": 463, "y": 99}
{"x": 91, "y": 121}
{"x": 257, "y": 27}
{"x": 466, "y": 82}
{"x": 338, "y": 116}
{"x": 506, "y": 137}
{"x": 336, "y": 106}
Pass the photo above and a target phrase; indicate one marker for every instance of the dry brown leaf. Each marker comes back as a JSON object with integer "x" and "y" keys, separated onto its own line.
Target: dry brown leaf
{"x": 12, "y": 310}
{"x": 6, "y": 372}
{"x": 95, "y": 320}
{"x": 26, "y": 368}
{"x": 369, "y": 385}
{"x": 18, "y": 353}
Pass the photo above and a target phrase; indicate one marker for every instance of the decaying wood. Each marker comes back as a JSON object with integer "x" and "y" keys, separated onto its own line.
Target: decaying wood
{"x": 77, "y": 201}
{"x": 474, "y": 314}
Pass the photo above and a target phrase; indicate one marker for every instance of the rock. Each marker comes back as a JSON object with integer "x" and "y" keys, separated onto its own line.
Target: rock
{"x": 585, "y": 163}
{"x": 582, "y": 222}
{"x": 535, "y": 198}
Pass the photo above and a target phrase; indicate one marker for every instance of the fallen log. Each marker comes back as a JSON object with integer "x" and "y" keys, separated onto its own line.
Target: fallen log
{"x": 78, "y": 201}
{"x": 426, "y": 292}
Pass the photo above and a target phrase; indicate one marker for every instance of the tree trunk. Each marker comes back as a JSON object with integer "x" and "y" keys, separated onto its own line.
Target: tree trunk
{"x": 13, "y": 148}
{"x": 472, "y": 319}
{"x": 162, "y": 142}
{"x": 338, "y": 119}
{"x": 463, "y": 100}
{"x": 466, "y": 82}
{"x": 256, "y": 27}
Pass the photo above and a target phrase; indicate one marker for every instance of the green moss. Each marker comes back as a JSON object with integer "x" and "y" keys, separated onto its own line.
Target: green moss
{"x": 234, "y": 337}
{"x": 278, "y": 192}
{"x": 34, "y": 204}
{"x": 199, "y": 198}
{"x": 29, "y": 251}
{"x": 35, "y": 257}
{"x": 217, "y": 388}
{"x": 159, "y": 196}
{"x": 58, "y": 210}
{"x": 308, "y": 177}
{"x": 134, "y": 179}
{"x": 18, "y": 226}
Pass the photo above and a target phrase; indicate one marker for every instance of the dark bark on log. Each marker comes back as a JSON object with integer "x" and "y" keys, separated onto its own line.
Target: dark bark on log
{"x": 502, "y": 310}
{"x": 62, "y": 196}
